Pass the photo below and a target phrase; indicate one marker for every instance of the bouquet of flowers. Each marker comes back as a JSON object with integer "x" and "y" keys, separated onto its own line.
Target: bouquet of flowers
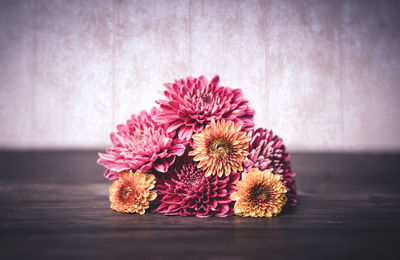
{"x": 198, "y": 154}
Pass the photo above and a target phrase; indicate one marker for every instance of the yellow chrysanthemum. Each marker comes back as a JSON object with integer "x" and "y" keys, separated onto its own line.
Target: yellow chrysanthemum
{"x": 220, "y": 148}
{"x": 259, "y": 194}
{"x": 130, "y": 193}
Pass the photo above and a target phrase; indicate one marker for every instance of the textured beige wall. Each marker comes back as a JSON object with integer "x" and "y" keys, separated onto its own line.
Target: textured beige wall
{"x": 323, "y": 74}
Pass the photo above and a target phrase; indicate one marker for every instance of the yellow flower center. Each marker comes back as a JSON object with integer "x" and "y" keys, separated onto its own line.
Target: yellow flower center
{"x": 126, "y": 193}
{"x": 262, "y": 196}
{"x": 219, "y": 148}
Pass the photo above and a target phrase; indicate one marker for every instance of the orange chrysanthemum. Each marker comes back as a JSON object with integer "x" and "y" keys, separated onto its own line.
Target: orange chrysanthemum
{"x": 130, "y": 193}
{"x": 220, "y": 148}
{"x": 260, "y": 194}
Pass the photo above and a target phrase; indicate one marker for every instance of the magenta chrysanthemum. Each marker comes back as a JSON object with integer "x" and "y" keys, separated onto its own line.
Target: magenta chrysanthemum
{"x": 192, "y": 102}
{"x": 141, "y": 145}
{"x": 266, "y": 151}
{"x": 185, "y": 191}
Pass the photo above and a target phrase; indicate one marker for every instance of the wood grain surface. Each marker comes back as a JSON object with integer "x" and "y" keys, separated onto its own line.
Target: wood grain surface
{"x": 54, "y": 205}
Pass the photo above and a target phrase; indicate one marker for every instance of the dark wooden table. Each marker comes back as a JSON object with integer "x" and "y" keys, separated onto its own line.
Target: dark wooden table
{"x": 54, "y": 205}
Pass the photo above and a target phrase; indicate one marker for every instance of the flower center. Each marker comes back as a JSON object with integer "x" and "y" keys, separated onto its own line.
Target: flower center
{"x": 259, "y": 194}
{"x": 126, "y": 192}
{"x": 138, "y": 135}
{"x": 192, "y": 178}
{"x": 219, "y": 148}
{"x": 191, "y": 175}
{"x": 206, "y": 98}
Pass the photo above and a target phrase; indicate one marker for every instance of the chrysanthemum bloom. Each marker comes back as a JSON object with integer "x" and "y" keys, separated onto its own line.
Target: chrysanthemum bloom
{"x": 186, "y": 191}
{"x": 141, "y": 145}
{"x": 220, "y": 148}
{"x": 130, "y": 193}
{"x": 266, "y": 151}
{"x": 192, "y": 102}
{"x": 260, "y": 194}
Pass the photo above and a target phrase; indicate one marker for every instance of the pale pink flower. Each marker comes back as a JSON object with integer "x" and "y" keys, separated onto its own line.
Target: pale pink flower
{"x": 141, "y": 145}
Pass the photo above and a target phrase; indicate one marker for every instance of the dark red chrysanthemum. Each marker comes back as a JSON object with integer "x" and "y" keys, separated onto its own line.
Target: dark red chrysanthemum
{"x": 141, "y": 145}
{"x": 185, "y": 191}
{"x": 192, "y": 102}
{"x": 266, "y": 151}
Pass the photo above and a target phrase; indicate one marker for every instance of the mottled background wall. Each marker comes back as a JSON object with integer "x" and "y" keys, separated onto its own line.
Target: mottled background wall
{"x": 323, "y": 74}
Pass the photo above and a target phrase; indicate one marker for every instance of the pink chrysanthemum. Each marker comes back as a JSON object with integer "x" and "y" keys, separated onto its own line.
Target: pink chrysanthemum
{"x": 185, "y": 191}
{"x": 267, "y": 152}
{"x": 141, "y": 145}
{"x": 192, "y": 102}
